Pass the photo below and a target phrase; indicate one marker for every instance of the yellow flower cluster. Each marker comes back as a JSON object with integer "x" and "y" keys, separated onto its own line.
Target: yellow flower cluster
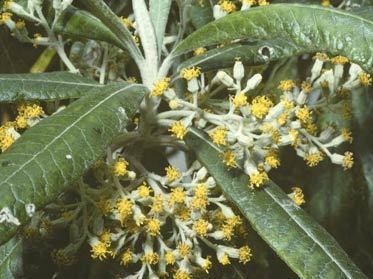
{"x": 190, "y": 73}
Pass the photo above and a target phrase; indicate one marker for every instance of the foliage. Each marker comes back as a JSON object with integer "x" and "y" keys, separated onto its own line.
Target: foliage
{"x": 179, "y": 139}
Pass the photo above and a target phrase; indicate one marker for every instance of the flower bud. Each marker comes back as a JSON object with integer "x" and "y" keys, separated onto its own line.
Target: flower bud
{"x": 225, "y": 78}
{"x": 238, "y": 70}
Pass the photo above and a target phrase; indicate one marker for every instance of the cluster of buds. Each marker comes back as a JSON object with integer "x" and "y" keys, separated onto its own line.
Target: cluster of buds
{"x": 160, "y": 224}
{"x": 252, "y": 129}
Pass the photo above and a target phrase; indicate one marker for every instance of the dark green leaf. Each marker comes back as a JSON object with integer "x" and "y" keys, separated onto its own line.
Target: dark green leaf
{"x": 309, "y": 28}
{"x": 57, "y": 151}
{"x": 304, "y": 245}
{"x": 11, "y": 259}
{"x": 46, "y": 86}
{"x": 200, "y": 16}
{"x": 78, "y": 23}
{"x": 254, "y": 54}
{"x": 111, "y": 20}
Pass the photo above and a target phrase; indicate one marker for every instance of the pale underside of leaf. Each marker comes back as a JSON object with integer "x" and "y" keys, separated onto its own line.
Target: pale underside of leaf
{"x": 310, "y": 28}
{"x": 46, "y": 86}
{"x": 304, "y": 245}
{"x": 57, "y": 151}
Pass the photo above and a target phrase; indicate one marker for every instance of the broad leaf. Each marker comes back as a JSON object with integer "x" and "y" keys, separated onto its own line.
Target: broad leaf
{"x": 57, "y": 151}
{"x": 46, "y": 86}
{"x": 11, "y": 259}
{"x": 304, "y": 245}
{"x": 159, "y": 11}
{"x": 200, "y": 16}
{"x": 78, "y": 23}
{"x": 309, "y": 28}
{"x": 253, "y": 54}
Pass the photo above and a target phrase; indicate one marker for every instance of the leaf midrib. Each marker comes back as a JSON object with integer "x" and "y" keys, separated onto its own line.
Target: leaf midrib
{"x": 64, "y": 131}
{"x": 311, "y": 236}
{"x": 51, "y": 81}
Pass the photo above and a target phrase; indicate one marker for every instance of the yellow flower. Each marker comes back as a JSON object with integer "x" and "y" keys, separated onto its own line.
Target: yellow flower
{"x": 306, "y": 86}
{"x": 239, "y": 100}
{"x": 126, "y": 258}
{"x": 20, "y": 24}
{"x": 272, "y": 159}
{"x": 21, "y": 122}
{"x": 224, "y": 259}
{"x": 347, "y": 135}
{"x": 229, "y": 158}
{"x": 150, "y": 258}
{"x": 227, "y": 6}
{"x": 144, "y": 190}
{"x": 177, "y": 196}
{"x": 201, "y": 227}
{"x": 348, "y": 160}
{"x": 183, "y": 249}
{"x": 260, "y": 106}
{"x": 124, "y": 207}
{"x": 30, "y": 110}
{"x": 341, "y": 60}
{"x": 119, "y": 168}
{"x": 286, "y": 85}
{"x": 244, "y": 254}
{"x": 313, "y": 159}
{"x": 169, "y": 258}
{"x": 153, "y": 226}
{"x": 219, "y": 135}
{"x": 304, "y": 114}
{"x": 365, "y": 79}
{"x": 325, "y": 3}
{"x": 157, "y": 205}
{"x": 127, "y": 22}
{"x": 263, "y": 2}
{"x": 160, "y": 87}
{"x": 248, "y": 2}
{"x": 6, "y": 141}
{"x": 258, "y": 178}
{"x": 172, "y": 173}
{"x": 199, "y": 51}
{"x": 321, "y": 56}
{"x": 181, "y": 274}
{"x": 100, "y": 250}
{"x": 190, "y": 73}
{"x": 178, "y": 130}
{"x": 297, "y": 196}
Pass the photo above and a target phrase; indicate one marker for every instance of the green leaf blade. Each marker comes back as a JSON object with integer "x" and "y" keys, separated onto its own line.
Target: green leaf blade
{"x": 77, "y": 23}
{"x": 11, "y": 258}
{"x": 305, "y": 246}
{"x": 44, "y": 87}
{"x": 310, "y": 28}
{"x": 57, "y": 151}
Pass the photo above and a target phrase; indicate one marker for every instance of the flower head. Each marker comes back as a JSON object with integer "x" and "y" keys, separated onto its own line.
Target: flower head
{"x": 260, "y": 106}
{"x": 160, "y": 87}
{"x": 190, "y": 73}
{"x": 178, "y": 130}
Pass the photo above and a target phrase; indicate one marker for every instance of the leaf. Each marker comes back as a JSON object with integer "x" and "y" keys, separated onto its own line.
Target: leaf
{"x": 304, "y": 245}
{"x": 200, "y": 16}
{"x": 78, "y": 23}
{"x": 309, "y": 28}
{"x": 257, "y": 53}
{"x": 159, "y": 11}
{"x": 46, "y": 86}
{"x": 11, "y": 258}
{"x": 111, "y": 20}
{"x": 362, "y": 106}
{"x": 53, "y": 154}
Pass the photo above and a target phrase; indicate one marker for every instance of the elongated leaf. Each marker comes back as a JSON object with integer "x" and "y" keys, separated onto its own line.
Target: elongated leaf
{"x": 11, "y": 259}
{"x": 57, "y": 151}
{"x": 309, "y": 28}
{"x": 46, "y": 86}
{"x": 200, "y": 16}
{"x": 78, "y": 23}
{"x": 362, "y": 104}
{"x": 111, "y": 20}
{"x": 305, "y": 246}
{"x": 159, "y": 10}
{"x": 255, "y": 54}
